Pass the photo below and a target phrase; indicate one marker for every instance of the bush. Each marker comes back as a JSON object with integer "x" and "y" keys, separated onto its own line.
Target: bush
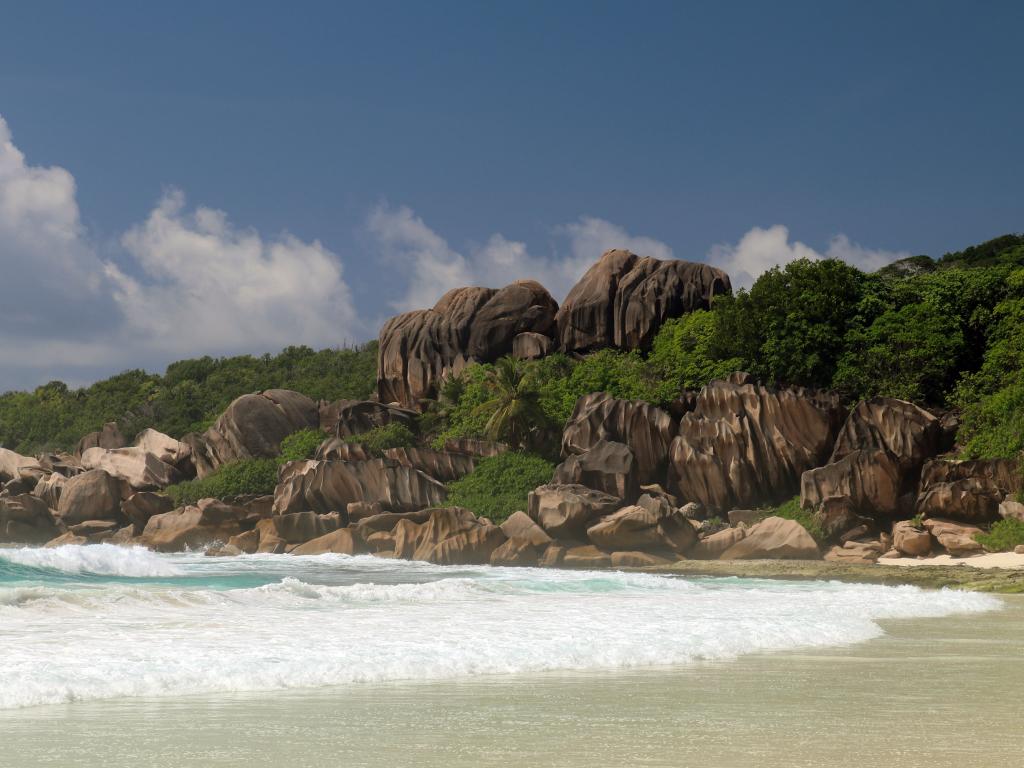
{"x": 301, "y": 445}
{"x": 1003, "y": 536}
{"x": 379, "y": 439}
{"x": 791, "y": 510}
{"x": 248, "y": 476}
{"x": 681, "y": 358}
{"x": 499, "y": 485}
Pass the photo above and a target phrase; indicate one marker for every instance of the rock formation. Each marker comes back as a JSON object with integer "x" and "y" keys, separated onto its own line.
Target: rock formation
{"x": 194, "y": 526}
{"x": 623, "y": 299}
{"x": 92, "y": 495}
{"x": 417, "y": 349}
{"x": 774, "y": 538}
{"x": 354, "y": 417}
{"x": 566, "y": 511}
{"x": 867, "y": 480}
{"x": 109, "y": 437}
{"x": 745, "y": 445}
{"x": 607, "y": 466}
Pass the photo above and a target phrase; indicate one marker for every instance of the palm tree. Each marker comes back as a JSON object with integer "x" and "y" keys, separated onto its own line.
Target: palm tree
{"x": 515, "y": 413}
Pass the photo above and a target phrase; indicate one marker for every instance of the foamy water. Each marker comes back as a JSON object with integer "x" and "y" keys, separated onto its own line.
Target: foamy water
{"x": 100, "y": 622}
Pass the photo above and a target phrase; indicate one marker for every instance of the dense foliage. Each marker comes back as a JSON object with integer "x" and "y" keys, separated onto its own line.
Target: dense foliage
{"x": 499, "y": 485}
{"x": 240, "y": 478}
{"x": 379, "y": 439}
{"x": 301, "y": 445}
{"x": 1004, "y": 535}
{"x": 188, "y": 397}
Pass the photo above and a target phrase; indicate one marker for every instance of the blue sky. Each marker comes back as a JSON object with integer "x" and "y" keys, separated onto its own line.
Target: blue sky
{"x": 212, "y": 178}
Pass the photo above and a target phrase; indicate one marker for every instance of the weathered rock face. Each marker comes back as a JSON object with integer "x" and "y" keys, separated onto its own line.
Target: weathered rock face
{"x": 1003, "y": 473}
{"x": 645, "y": 428}
{"x": 336, "y": 449}
{"x": 167, "y": 450}
{"x": 867, "y": 480}
{"x": 837, "y": 516}
{"x": 14, "y": 466}
{"x": 855, "y": 552}
{"x": 26, "y": 519}
{"x": 92, "y": 495}
{"x": 526, "y": 542}
{"x": 109, "y": 437}
{"x": 971, "y": 500}
{"x": 417, "y": 349}
{"x": 342, "y": 542}
{"x": 711, "y": 547}
{"x": 909, "y": 540}
{"x": 326, "y": 486}
{"x": 653, "y": 526}
{"x": 637, "y": 560}
{"x": 607, "y": 466}
{"x": 774, "y": 538}
{"x": 907, "y": 432}
{"x": 439, "y": 465}
{"x": 532, "y": 346}
{"x": 955, "y": 538}
{"x": 49, "y": 489}
{"x": 745, "y": 445}
{"x": 566, "y": 511}
{"x": 623, "y": 300}
{"x": 253, "y": 426}
{"x": 449, "y": 536}
{"x": 60, "y": 463}
{"x": 1009, "y": 508}
{"x": 299, "y": 527}
{"x": 194, "y": 526}
{"x": 586, "y": 556}
{"x": 469, "y": 446}
{"x": 354, "y": 417}
{"x": 139, "y": 468}
{"x": 141, "y": 506}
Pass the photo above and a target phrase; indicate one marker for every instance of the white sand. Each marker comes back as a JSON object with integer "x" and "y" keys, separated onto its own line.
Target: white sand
{"x": 992, "y": 560}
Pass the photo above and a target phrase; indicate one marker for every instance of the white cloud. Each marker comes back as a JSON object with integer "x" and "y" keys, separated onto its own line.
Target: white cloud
{"x": 207, "y": 286}
{"x": 434, "y": 267}
{"x": 761, "y": 249}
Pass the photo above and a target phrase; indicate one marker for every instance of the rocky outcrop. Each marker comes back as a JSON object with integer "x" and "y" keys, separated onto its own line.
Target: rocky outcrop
{"x": 167, "y": 450}
{"x": 92, "y": 495}
{"x": 566, "y": 511}
{"x": 585, "y": 556}
{"x": 279, "y": 531}
{"x": 338, "y": 449}
{"x": 650, "y": 525}
{"x": 526, "y": 541}
{"x": 468, "y": 446}
{"x": 646, "y": 429}
{"x": 341, "y": 542}
{"x": 194, "y": 526}
{"x": 745, "y": 445}
{"x": 49, "y": 489}
{"x": 712, "y": 547}
{"x": 253, "y": 426}
{"x": 908, "y": 433}
{"x": 855, "y": 552}
{"x": 1003, "y": 473}
{"x": 774, "y": 538}
{"x": 532, "y": 346}
{"x": 417, "y": 349}
{"x": 25, "y": 519}
{"x": 607, "y": 466}
{"x": 354, "y": 417}
{"x": 439, "y": 465}
{"x": 868, "y": 481}
{"x": 141, "y": 506}
{"x": 137, "y": 467}
{"x": 970, "y": 500}
{"x": 14, "y": 466}
{"x": 327, "y": 486}
{"x": 449, "y": 536}
{"x": 956, "y": 538}
{"x": 910, "y": 540}
{"x": 109, "y": 437}
{"x": 623, "y": 299}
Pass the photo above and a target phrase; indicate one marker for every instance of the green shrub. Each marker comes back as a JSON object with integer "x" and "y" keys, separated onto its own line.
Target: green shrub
{"x": 499, "y": 485}
{"x": 248, "y": 476}
{"x": 791, "y": 510}
{"x": 301, "y": 445}
{"x": 1003, "y": 536}
{"x": 379, "y": 439}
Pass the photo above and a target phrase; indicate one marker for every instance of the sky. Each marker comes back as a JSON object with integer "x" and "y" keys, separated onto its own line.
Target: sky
{"x": 235, "y": 177}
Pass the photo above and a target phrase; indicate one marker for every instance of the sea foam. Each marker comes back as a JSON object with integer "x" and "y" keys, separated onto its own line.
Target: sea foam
{"x": 389, "y": 620}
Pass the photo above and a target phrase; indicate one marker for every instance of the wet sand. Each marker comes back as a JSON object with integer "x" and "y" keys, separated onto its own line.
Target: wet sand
{"x": 933, "y": 693}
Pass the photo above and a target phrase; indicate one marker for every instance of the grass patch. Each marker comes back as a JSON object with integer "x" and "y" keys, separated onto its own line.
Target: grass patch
{"x": 379, "y": 439}
{"x": 791, "y": 510}
{"x": 500, "y": 484}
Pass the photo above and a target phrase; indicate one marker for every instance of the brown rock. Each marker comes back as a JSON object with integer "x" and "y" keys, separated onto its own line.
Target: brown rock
{"x": 94, "y": 530}
{"x": 637, "y": 528}
{"x": 745, "y": 445}
{"x": 338, "y": 449}
{"x": 909, "y": 433}
{"x": 1003, "y": 473}
{"x": 452, "y": 536}
{"x": 49, "y": 489}
{"x": 711, "y": 547}
{"x": 956, "y": 538}
{"x": 520, "y": 525}
{"x": 637, "y": 560}
{"x": 141, "y": 506}
{"x": 532, "y": 346}
{"x": 838, "y": 520}
{"x": 341, "y": 541}
{"x": 970, "y": 500}
{"x": 298, "y": 527}
{"x": 444, "y": 467}
{"x": 909, "y": 540}
{"x": 481, "y": 449}
{"x": 25, "y": 519}
{"x": 587, "y": 556}
{"x": 247, "y": 542}
{"x": 623, "y": 300}
{"x": 14, "y": 466}
{"x": 473, "y": 547}
{"x": 566, "y": 511}
{"x": 407, "y": 537}
{"x": 856, "y": 552}
{"x": 774, "y": 538}
{"x": 868, "y": 481}
{"x": 386, "y": 521}
{"x": 109, "y": 437}
{"x": 417, "y": 349}
{"x": 193, "y": 526}
{"x": 552, "y": 556}
{"x": 608, "y": 467}
{"x": 1009, "y": 508}
{"x": 517, "y": 551}
{"x": 92, "y": 495}
{"x": 600, "y": 418}
{"x": 67, "y": 539}
{"x": 357, "y": 510}
{"x": 354, "y": 417}
{"x": 139, "y": 469}
{"x": 381, "y": 541}
{"x": 747, "y": 516}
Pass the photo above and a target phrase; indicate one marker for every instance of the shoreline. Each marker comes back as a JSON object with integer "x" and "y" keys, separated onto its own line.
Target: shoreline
{"x": 1007, "y": 581}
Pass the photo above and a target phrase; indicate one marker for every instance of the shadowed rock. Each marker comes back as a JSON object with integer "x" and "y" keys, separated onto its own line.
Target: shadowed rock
{"x": 532, "y": 346}
{"x": 956, "y": 538}
{"x": 970, "y": 500}
{"x": 653, "y": 526}
{"x": 1003, "y": 473}
{"x": 26, "y": 519}
{"x": 439, "y": 465}
{"x": 354, "y": 417}
{"x": 14, "y": 466}
{"x": 194, "y": 526}
{"x": 566, "y": 511}
{"x": 607, "y": 466}
{"x": 867, "y": 480}
{"x": 137, "y": 467}
{"x": 623, "y": 299}
{"x": 909, "y": 540}
{"x": 92, "y": 495}
{"x": 907, "y": 432}
{"x": 109, "y": 437}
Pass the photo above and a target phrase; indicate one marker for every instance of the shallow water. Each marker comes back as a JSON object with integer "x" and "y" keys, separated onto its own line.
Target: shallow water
{"x": 177, "y": 660}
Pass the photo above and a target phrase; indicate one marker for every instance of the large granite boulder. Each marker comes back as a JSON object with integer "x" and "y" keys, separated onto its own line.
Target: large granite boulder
{"x": 108, "y": 437}
{"x": 327, "y": 486}
{"x": 25, "y": 519}
{"x": 166, "y": 449}
{"x": 910, "y": 540}
{"x": 623, "y": 299}
{"x": 338, "y": 449}
{"x": 279, "y": 531}
{"x": 956, "y": 538}
{"x": 774, "y": 538}
{"x": 650, "y": 525}
{"x": 417, "y": 349}
{"x": 439, "y": 465}
{"x": 354, "y": 417}
{"x": 449, "y": 536}
{"x": 566, "y": 511}
{"x": 49, "y": 489}
{"x": 526, "y": 541}
{"x": 194, "y": 526}
{"x": 139, "y": 468}
{"x": 340, "y": 542}
{"x": 867, "y": 480}
{"x": 14, "y": 466}
{"x": 907, "y": 432}
{"x": 607, "y": 466}
{"x": 711, "y": 547}
{"x": 92, "y": 495}
{"x": 970, "y": 500}
{"x": 744, "y": 445}
{"x": 1004, "y": 474}
{"x": 532, "y": 346}
{"x": 141, "y": 506}
{"x": 645, "y": 428}
{"x": 253, "y": 426}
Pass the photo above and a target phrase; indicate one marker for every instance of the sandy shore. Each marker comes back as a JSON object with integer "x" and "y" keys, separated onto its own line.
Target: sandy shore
{"x": 999, "y": 575}
{"x": 991, "y": 560}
